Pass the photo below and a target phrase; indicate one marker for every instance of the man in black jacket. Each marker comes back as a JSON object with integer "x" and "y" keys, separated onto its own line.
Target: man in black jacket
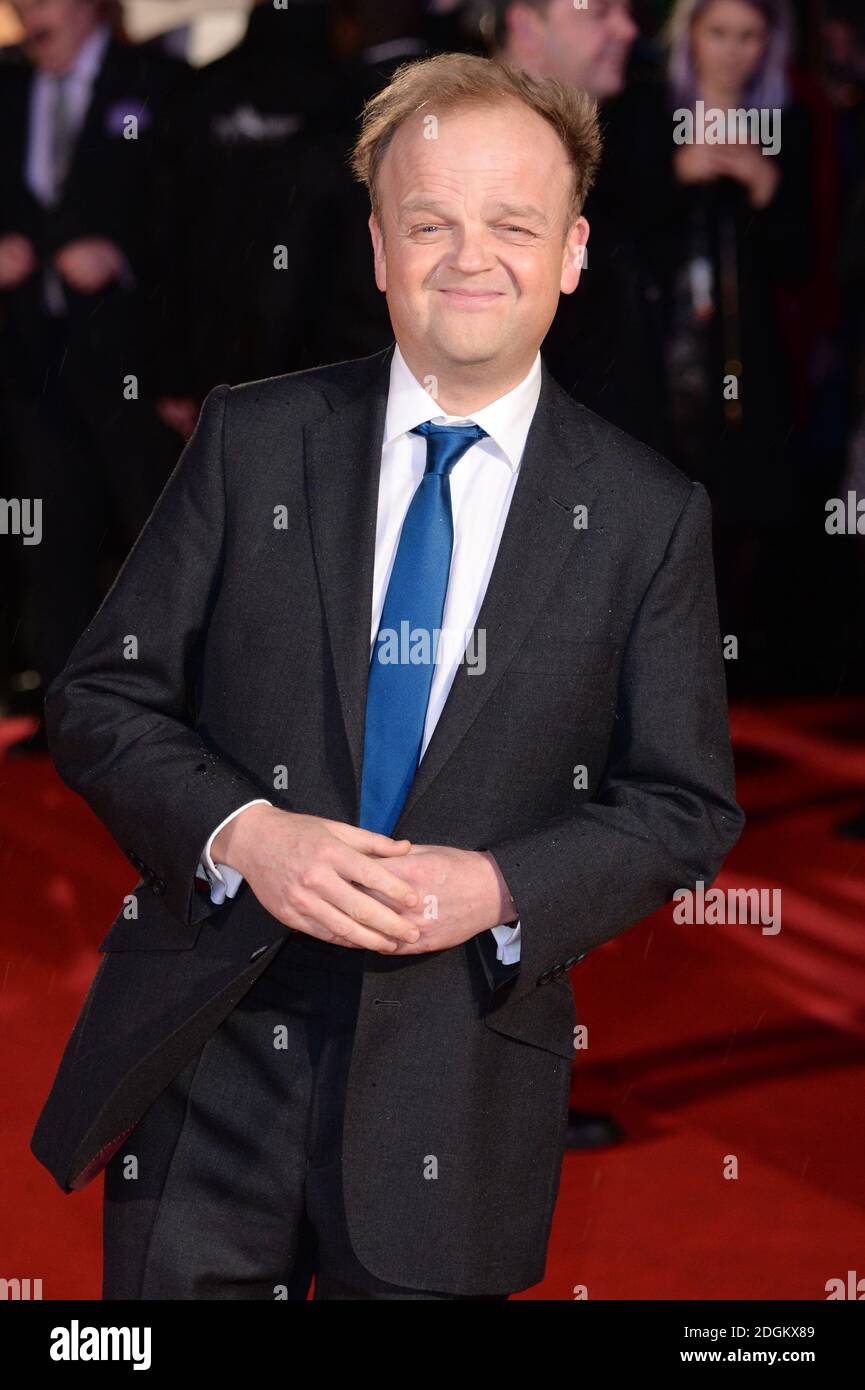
{"x": 418, "y": 659}
{"x": 242, "y": 285}
{"x": 81, "y": 274}
{"x": 605, "y": 345}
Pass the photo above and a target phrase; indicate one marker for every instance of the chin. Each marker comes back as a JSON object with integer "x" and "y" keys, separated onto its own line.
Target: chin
{"x": 612, "y": 86}
{"x": 471, "y": 348}
{"x": 471, "y": 336}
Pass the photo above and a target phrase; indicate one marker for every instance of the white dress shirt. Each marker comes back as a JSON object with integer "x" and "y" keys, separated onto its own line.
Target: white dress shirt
{"x": 481, "y": 484}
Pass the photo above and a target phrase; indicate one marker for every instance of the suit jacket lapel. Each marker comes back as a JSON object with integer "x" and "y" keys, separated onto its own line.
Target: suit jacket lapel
{"x": 343, "y": 459}
{"x": 90, "y": 131}
{"x": 343, "y": 462}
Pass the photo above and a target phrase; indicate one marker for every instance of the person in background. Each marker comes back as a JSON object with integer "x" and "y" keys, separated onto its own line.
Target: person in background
{"x": 273, "y": 264}
{"x": 79, "y": 285}
{"x": 241, "y": 289}
{"x": 350, "y": 317}
{"x": 744, "y": 233}
{"x": 602, "y": 347}
{"x": 605, "y": 343}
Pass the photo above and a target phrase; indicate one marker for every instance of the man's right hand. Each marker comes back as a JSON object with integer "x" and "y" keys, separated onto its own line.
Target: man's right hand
{"x": 17, "y": 260}
{"x": 311, "y": 873}
{"x": 697, "y": 163}
{"x": 178, "y": 413}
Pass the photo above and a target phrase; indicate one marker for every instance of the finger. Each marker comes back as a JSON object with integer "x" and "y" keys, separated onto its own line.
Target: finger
{"x": 411, "y": 948}
{"x": 315, "y": 926}
{"x": 367, "y": 841}
{"x": 369, "y": 912}
{"x": 371, "y": 873}
{"x": 344, "y": 930}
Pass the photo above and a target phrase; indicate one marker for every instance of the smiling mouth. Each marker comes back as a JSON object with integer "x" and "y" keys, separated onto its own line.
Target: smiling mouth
{"x": 471, "y": 297}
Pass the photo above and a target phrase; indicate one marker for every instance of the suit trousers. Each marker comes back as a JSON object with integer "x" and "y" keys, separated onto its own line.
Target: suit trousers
{"x": 230, "y": 1185}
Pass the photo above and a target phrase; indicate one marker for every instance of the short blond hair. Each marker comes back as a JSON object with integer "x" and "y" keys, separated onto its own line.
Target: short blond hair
{"x": 450, "y": 80}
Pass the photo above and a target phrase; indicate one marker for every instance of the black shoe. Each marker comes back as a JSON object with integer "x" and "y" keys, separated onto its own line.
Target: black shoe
{"x": 591, "y": 1131}
{"x": 32, "y": 745}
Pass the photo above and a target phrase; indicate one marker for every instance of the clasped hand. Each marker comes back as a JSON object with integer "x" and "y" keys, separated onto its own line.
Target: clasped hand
{"x": 360, "y": 889}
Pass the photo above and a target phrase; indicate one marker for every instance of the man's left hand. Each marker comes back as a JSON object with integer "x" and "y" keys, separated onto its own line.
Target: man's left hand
{"x": 462, "y": 893}
{"x": 90, "y": 264}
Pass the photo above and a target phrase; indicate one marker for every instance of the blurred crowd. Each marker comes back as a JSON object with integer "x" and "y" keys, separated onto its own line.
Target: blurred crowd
{"x": 165, "y": 228}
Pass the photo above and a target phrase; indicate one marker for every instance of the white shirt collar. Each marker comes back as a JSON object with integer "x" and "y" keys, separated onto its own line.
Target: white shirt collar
{"x": 506, "y": 420}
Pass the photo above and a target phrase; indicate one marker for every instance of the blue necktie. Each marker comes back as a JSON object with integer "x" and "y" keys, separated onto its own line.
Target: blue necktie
{"x": 399, "y": 687}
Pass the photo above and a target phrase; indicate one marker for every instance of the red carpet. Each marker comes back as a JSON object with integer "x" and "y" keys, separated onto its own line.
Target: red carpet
{"x": 717, "y": 1048}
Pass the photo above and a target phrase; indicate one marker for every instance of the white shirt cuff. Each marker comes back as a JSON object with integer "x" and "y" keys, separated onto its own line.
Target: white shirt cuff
{"x": 508, "y": 939}
{"x": 224, "y": 881}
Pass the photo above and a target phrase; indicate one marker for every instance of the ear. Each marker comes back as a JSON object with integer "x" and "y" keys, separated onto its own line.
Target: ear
{"x": 379, "y": 258}
{"x": 572, "y": 256}
{"x": 526, "y": 27}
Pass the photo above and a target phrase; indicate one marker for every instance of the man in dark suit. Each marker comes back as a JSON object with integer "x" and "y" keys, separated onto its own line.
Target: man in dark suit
{"x": 419, "y": 660}
{"x": 273, "y": 268}
{"x": 605, "y": 345}
{"x": 241, "y": 291}
{"x": 80, "y": 287}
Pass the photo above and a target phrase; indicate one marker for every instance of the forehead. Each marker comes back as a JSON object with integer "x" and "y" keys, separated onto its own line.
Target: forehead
{"x": 739, "y": 12}
{"x": 35, "y": 7}
{"x": 477, "y": 148}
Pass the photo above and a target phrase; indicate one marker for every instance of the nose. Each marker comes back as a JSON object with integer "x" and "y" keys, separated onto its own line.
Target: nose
{"x": 471, "y": 251}
{"x": 625, "y": 26}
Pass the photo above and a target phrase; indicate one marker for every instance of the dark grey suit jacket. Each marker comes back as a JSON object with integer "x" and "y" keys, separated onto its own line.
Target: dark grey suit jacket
{"x": 603, "y": 652}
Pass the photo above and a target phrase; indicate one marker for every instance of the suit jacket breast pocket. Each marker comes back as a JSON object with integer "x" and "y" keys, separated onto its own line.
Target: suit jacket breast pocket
{"x": 143, "y": 924}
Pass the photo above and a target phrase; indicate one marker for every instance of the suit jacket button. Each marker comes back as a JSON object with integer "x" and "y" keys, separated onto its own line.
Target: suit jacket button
{"x": 581, "y": 956}
{"x": 557, "y": 970}
{"x": 545, "y": 978}
{"x": 259, "y": 951}
{"x": 572, "y": 960}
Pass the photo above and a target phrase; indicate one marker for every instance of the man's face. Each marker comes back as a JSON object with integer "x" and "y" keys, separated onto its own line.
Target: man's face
{"x": 472, "y": 253}
{"x": 586, "y": 46}
{"x": 54, "y": 30}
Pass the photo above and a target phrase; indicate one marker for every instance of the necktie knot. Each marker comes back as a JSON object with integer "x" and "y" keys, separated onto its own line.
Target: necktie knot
{"x": 446, "y": 444}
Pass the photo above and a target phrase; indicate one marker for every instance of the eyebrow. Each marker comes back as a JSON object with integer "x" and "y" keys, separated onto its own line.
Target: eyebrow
{"x": 527, "y": 211}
